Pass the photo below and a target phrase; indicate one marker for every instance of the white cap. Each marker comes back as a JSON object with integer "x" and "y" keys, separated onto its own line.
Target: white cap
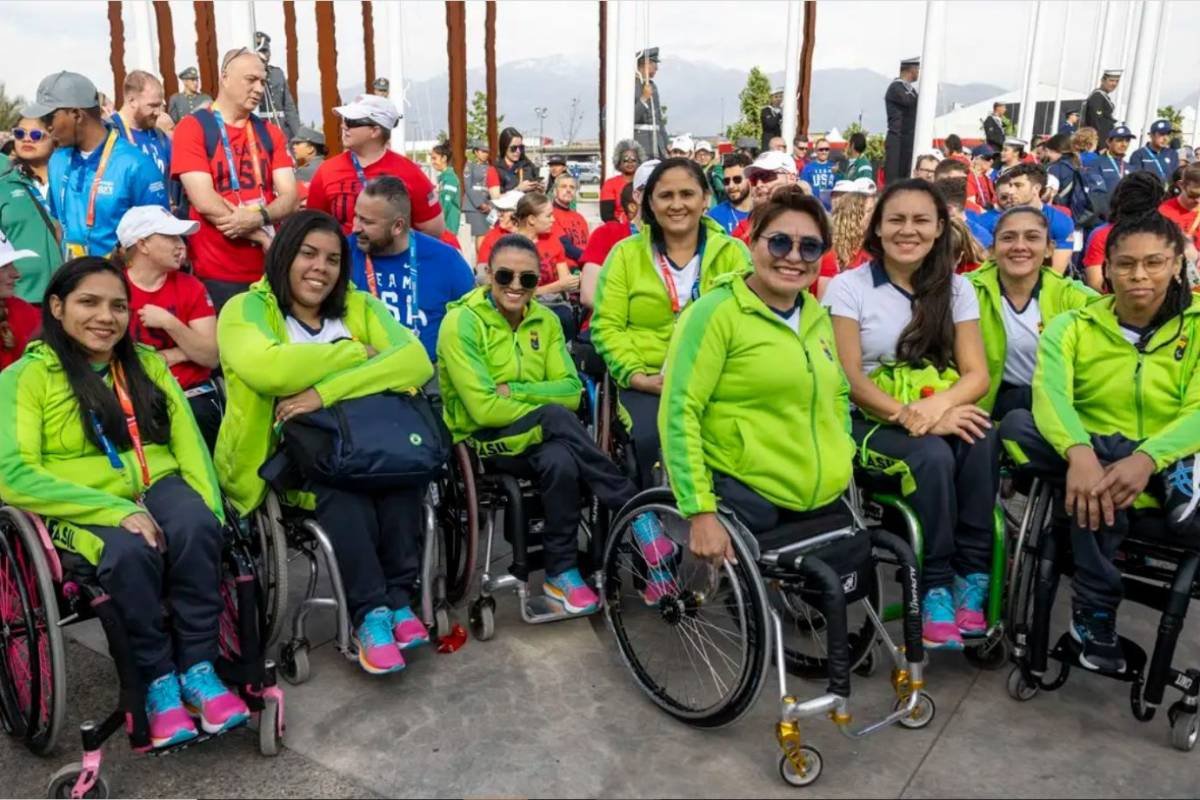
{"x": 508, "y": 201}
{"x": 933, "y": 153}
{"x": 703, "y": 145}
{"x": 9, "y": 254}
{"x": 843, "y": 186}
{"x": 140, "y": 222}
{"x": 865, "y": 186}
{"x": 1015, "y": 143}
{"x": 379, "y": 110}
{"x": 772, "y": 161}
{"x": 643, "y": 173}
{"x": 683, "y": 142}
{"x": 1052, "y": 183}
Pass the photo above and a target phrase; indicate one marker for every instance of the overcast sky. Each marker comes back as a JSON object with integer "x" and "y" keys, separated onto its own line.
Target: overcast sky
{"x": 984, "y": 41}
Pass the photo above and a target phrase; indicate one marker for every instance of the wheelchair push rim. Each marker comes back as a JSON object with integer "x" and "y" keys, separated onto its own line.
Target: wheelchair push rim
{"x": 271, "y": 567}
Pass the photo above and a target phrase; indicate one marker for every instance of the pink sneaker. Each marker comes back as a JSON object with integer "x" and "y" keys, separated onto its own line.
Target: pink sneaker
{"x": 569, "y": 590}
{"x": 408, "y": 630}
{"x": 969, "y": 595}
{"x": 218, "y": 708}
{"x": 938, "y": 629}
{"x": 653, "y": 543}
{"x": 661, "y": 584}
{"x": 170, "y": 723}
{"x": 377, "y": 650}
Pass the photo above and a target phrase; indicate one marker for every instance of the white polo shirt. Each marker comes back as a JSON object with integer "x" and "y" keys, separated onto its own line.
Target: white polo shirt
{"x": 1022, "y": 330}
{"x": 883, "y": 310}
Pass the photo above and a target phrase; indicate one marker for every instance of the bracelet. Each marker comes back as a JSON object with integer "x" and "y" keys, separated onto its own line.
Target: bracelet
{"x": 266, "y": 215}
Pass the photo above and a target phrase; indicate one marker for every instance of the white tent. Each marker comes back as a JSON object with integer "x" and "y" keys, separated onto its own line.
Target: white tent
{"x": 967, "y": 121}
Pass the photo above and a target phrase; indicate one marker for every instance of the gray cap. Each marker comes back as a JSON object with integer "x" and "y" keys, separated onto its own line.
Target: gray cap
{"x": 190, "y": 74}
{"x": 383, "y": 84}
{"x": 479, "y": 144}
{"x": 62, "y": 90}
{"x": 310, "y": 135}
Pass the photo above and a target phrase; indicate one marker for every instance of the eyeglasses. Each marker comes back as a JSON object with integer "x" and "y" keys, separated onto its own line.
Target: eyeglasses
{"x": 736, "y": 180}
{"x": 358, "y": 123}
{"x": 629, "y": 160}
{"x": 516, "y": 148}
{"x": 20, "y": 134}
{"x": 759, "y": 178}
{"x": 822, "y": 149}
{"x": 504, "y": 277}
{"x": 780, "y": 245}
{"x": 1154, "y": 265}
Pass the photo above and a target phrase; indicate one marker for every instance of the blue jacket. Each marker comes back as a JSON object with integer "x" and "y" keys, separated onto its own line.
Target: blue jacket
{"x": 1163, "y": 163}
{"x": 1101, "y": 177}
{"x": 130, "y": 179}
{"x": 154, "y": 143}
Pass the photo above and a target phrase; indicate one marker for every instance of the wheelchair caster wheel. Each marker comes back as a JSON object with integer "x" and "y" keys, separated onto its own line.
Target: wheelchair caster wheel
{"x": 921, "y": 716}
{"x": 63, "y": 781}
{"x": 293, "y": 662}
{"x": 1018, "y": 688}
{"x": 482, "y": 618}
{"x": 812, "y": 768}
{"x": 866, "y": 668}
{"x": 1185, "y": 727}
{"x": 268, "y": 728}
{"x": 989, "y": 656}
{"x": 441, "y": 622}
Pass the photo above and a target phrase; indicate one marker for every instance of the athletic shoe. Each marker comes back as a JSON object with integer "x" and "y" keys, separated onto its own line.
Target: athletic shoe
{"x": 169, "y": 721}
{"x": 660, "y": 584}
{"x": 377, "y": 650}
{"x": 1096, "y": 632}
{"x": 939, "y": 630}
{"x": 207, "y": 698}
{"x": 569, "y": 590}
{"x": 969, "y": 595}
{"x": 654, "y": 545}
{"x": 1182, "y": 481}
{"x": 408, "y": 630}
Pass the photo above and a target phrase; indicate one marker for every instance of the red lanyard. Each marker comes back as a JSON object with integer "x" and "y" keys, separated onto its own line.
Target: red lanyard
{"x": 104, "y": 156}
{"x": 131, "y": 422}
{"x": 672, "y": 292}
{"x": 372, "y": 284}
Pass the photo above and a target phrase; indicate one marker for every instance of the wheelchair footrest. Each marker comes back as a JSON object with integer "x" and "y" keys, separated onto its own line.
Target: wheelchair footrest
{"x": 1068, "y": 650}
{"x": 539, "y": 609}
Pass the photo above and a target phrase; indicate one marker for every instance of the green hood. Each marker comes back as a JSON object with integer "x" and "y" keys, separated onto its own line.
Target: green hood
{"x": 28, "y": 226}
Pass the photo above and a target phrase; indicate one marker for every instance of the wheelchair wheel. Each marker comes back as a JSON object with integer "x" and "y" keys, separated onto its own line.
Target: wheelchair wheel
{"x": 1185, "y": 727}
{"x": 272, "y": 567}
{"x": 458, "y": 519}
{"x": 701, "y": 650}
{"x": 805, "y": 651}
{"x": 33, "y": 675}
{"x": 1024, "y": 555}
{"x": 812, "y": 767}
{"x": 63, "y": 781}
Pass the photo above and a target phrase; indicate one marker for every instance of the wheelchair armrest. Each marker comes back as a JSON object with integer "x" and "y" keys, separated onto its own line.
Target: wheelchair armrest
{"x": 788, "y": 555}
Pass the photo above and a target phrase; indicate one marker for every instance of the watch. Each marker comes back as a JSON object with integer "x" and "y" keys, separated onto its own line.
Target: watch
{"x": 266, "y": 215}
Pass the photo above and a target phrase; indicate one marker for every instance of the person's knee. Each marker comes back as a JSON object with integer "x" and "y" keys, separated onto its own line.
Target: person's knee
{"x": 556, "y": 419}
{"x": 554, "y": 460}
{"x": 930, "y": 456}
{"x": 127, "y": 559}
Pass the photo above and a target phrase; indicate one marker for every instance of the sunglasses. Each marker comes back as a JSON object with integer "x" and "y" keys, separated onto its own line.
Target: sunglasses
{"x": 629, "y": 160}
{"x": 822, "y": 149}
{"x": 759, "y": 178}
{"x": 736, "y": 180}
{"x": 516, "y": 148}
{"x": 358, "y": 123}
{"x": 20, "y": 134}
{"x": 780, "y": 245}
{"x": 504, "y": 277}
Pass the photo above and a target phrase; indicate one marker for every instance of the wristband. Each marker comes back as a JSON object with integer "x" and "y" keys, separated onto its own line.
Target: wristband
{"x": 266, "y": 215}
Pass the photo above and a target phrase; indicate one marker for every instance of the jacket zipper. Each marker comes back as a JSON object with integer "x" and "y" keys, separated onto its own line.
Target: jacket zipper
{"x": 1137, "y": 391}
{"x": 517, "y": 348}
{"x": 812, "y": 423}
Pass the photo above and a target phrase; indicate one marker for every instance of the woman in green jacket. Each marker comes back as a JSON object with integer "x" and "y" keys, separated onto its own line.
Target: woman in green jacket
{"x": 647, "y": 281}
{"x": 1018, "y": 296}
{"x": 772, "y": 444}
{"x": 97, "y": 438}
{"x": 302, "y": 338}
{"x": 1116, "y": 407}
{"x": 510, "y": 390}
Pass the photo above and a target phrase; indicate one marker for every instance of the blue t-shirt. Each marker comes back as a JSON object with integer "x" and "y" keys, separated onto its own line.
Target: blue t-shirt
{"x": 1062, "y": 229}
{"x": 442, "y": 277}
{"x": 153, "y": 143}
{"x": 982, "y": 234}
{"x": 821, "y": 178}
{"x": 727, "y": 216}
{"x": 130, "y": 179}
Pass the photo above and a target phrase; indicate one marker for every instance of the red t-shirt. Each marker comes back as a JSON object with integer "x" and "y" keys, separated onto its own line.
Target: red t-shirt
{"x": 742, "y": 231}
{"x": 214, "y": 256}
{"x": 603, "y": 240}
{"x": 1185, "y": 219}
{"x": 551, "y": 254}
{"x": 24, "y": 320}
{"x": 492, "y": 178}
{"x": 572, "y": 225}
{"x": 452, "y": 240}
{"x": 495, "y": 234}
{"x": 611, "y": 190}
{"x": 186, "y": 298}
{"x": 1093, "y": 254}
{"x": 335, "y": 186}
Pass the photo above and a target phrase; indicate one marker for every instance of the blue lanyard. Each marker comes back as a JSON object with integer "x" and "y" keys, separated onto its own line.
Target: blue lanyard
{"x": 1157, "y": 164}
{"x": 234, "y": 183}
{"x": 1116, "y": 165}
{"x": 358, "y": 168}
{"x": 410, "y": 301}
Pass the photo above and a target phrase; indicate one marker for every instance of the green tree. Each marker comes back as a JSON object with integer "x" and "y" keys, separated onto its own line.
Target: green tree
{"x": 10, "y": 109}
{"x": 875, "y": 141}
{"x": 477, "y": 118}
{"x": 1172, "y": 116}
{"x": 752, "y": 99}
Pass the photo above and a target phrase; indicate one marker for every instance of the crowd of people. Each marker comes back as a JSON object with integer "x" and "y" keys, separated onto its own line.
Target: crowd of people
{"x": 771, "y": 322}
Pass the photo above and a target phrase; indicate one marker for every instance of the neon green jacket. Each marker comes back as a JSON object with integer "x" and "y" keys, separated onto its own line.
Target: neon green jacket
{"x": 48, "y": 465}
{"x": 744, "y": 395}
{"x": 633, "y": 320}
{"x": 1056, "y": 294}
{"x": 1090, "y": 380}
{"x": 261, "y": 364}
{"x": 478, "y": 350}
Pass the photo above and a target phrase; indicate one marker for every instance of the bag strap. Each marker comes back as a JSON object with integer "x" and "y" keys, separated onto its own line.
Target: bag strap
{"x": 212, "y": 134}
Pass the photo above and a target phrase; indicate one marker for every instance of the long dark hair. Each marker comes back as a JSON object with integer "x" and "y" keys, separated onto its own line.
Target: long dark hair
{"x": 88, "y": 386}
{"x": 286, "y": 247}
{"x": 1179, "y": 295}
{"x": 929, "y": 336}
{"x": 697, "y": 173}
{"x": 506, "y": 137}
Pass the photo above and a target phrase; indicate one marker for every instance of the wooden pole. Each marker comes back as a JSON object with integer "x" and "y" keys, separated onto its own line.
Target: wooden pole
{"x": 116, "y": 55}
{"x": 293, "y": 50}
{"x": 489, "y": 52}
{"x": 368, "y": 19}
{"x": 456, "y": 54}
{"x": 603, "y": 90}
{"x": 806, "y": 60}
{"x": 166, "y": 47}
{"x": 327, "y": 66}
{"x": 207, "y": 60}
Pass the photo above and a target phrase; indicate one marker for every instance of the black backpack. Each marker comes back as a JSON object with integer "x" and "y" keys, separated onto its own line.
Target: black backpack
{"x": 212, "y": 140}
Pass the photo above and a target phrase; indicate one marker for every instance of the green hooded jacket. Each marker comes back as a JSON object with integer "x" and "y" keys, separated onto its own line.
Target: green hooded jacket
{"x": 633, "y": 320}
{"x": 1055, "y": 294}
{"x": 261, "y": 365}
{"x": 728, "y": 406}
{"x": 478, "y": 350}
{"x": 28, "y": 226}
{"x": 48, "y": 465}
{"x": 1090, "y": 380}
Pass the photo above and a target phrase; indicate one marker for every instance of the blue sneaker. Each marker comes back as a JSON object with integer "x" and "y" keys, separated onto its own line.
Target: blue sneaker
{"x": 569, "y": 590}
{"x": 207, "y": 698}
{"x": 969, "y": 595}
{"x": 170, "y": 723}
{"x": 648, "y": 532}
{"x": 660, "y": 583}
{"x": 938, "y": 629}
{"x": 408, "y": 630}
{"x": 377, "y": 650}
{"x": 1096, "y": 632}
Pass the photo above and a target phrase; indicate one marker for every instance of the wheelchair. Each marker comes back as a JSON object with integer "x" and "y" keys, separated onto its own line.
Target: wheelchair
{"x": 1158, "y": 571}
{"x": 703, "y": 651}
{"x": 43, "y": 590}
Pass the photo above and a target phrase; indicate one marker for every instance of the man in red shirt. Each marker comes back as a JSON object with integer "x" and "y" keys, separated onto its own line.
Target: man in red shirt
{"x": 1184, "y": 209}
{"x": 570, "y": 227}
{"x": 366, "y": 130}
{"x": 19, "y": 320}
{"x": 627, "y": 155}
{"x": 238, "y": 177}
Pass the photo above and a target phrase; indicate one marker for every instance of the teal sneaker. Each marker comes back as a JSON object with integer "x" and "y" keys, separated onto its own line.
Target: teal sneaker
{"x": 569, "y": 590}
{"x": 938, "y": 629}
{"x": 207, "y": 698}
{"x": 408, "y": 630}
{"x": 376, "y": 643}
{"x": 169, "y": 721}
{"x": 970, "y": 593}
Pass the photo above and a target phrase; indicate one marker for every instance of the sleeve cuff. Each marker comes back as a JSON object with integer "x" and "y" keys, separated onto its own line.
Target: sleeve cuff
{"x": 702, "y": 503}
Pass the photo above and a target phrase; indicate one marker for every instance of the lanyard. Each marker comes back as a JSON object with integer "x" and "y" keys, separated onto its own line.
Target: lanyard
{"x": 669, "y": 280}
{"x": 410, "y": 301}
{"x": 121, "y": 124}
{"x": 105, "y": 155}
{"x": 358, "y": 169}
{"x": 135, "y": 436}
{"x": 1157, "y": 164}
{"x": 252, "y": 145}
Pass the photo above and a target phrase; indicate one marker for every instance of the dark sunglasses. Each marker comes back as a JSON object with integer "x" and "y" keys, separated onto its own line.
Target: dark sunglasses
{"x": 504, "y": 277}
{"x": 629, "y": 160}
{"x": 516, "y": 148}
{"x": 780, "y": 245}
{"x": 358, "y": 123}
{"x": 822, "y": 149}
{"x": 735, "y": 179}
{"x": 759, "y": 178}
{"x": 20, "y": 134}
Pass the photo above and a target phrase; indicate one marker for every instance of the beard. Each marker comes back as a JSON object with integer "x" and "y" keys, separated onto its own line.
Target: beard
{"x": 377, "y": 245}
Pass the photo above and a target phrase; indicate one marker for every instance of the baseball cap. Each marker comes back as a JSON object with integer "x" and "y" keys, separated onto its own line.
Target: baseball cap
{"x": 508, "y": 201}
{"x": 190, "y": 74}
{"x": 864, "y": 186}
{"x": 703, "y": 145}
{"x": 310, "y": 135}
{"x": 983, "y": 151}
{"x": 140, "y": 222}
{"x": 683, "y": 142}
{"x": 378, "y": 110}
{"x": 9, "y": 254}
{"x": 771, "y": 161}
{"x": 557, "y": 158}
{"x": 62, "y": 90}
{"x": 843, "y": 187}
{"x": 1161, "y": 126}
{"x": 643, "y": 173}
{"x": 1121, "y": 132}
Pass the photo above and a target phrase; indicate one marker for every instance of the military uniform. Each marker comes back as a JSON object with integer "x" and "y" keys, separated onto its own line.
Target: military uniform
{"x": 772, "y": 124}
{"x": 277, "y": 104}
{"x": 993, "y": 132}
{"x": 648, "y": 127}
{"x": 181, "y": 104}
{"x": 900, "y": 102}
{"x": 476, "y": 200}
{"x": 1098, "y": 113}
